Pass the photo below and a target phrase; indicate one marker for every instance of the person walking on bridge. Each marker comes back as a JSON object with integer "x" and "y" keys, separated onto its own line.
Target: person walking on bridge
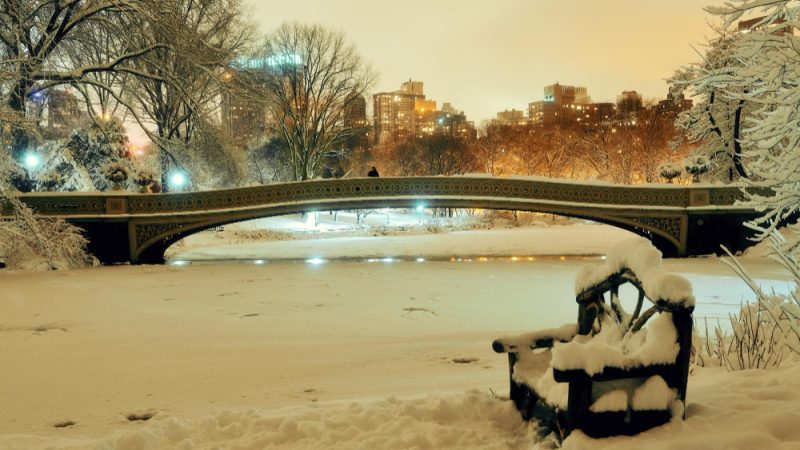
{"x": 373, "y": 172}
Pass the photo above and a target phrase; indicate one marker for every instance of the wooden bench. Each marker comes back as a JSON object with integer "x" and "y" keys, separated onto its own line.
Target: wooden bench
{"x": 612, "y": 372}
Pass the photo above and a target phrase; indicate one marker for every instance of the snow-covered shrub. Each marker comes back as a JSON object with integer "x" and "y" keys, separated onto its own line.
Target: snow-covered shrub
{"x": 31, "y": 243}
{"x": 764, "y": 331}
{"x": 696, "y": 166}
{"x": 60, "y": 171}
{"x": 669, "y": 171}
{"x": 51, "y": 180}
{"x": 144, "y": 178}
{"x": 116, "y": 172}
{"x": 755, "y": 341}
{"x": 94, "y": 149}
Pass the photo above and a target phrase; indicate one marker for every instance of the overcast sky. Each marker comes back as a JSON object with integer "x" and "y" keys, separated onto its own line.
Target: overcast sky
{"x": 490, "y": 55}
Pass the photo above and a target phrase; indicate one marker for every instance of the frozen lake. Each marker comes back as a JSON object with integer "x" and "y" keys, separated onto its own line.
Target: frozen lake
{"x": 270, "y": 332}
{"x": 717, "y": 290}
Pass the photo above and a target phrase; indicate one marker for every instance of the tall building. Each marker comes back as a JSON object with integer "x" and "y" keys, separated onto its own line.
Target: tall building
{"x": 629, "y": 103}
{"x": 559, "y": 94}
{"x": 354, "y": 118}
{"x": 448, "y": 108}
{"x": 396, "y": 113}
{"x": 562, "y": 106}
{"x": 602, "y": 114}
{"x": 406, "y": 112}
{"x": 425, "y": 120}
{"x": 355, "y": 111}
{"x": 512, "y": 118}
{"x": 672, "y": 106}
{"x": 63, "y": 113}
{"x": 582, "y": 96}
{"x": 243, "y": 120}
{"x": 455, "y": 125}
{"x": 413, "y": 88}
{"x": 395, "y": 116}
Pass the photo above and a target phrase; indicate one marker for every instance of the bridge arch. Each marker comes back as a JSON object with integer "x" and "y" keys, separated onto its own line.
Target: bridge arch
{"x": 152, "y": 249}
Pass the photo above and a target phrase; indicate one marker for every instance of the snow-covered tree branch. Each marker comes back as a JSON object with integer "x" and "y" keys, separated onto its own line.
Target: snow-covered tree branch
{"x": 749, "y": 108}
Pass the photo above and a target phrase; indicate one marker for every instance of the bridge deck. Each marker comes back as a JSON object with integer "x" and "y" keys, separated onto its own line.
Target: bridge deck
{"x": 561, "y": 192}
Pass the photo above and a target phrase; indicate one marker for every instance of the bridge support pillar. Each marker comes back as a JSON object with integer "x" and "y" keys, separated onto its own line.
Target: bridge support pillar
{"x": 108, "y": 240}
{"x": 709, "y": 230}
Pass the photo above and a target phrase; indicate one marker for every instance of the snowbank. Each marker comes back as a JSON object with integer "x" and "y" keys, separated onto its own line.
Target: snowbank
{"x": 751, "y": 409}
{"x": 473, "y": 420}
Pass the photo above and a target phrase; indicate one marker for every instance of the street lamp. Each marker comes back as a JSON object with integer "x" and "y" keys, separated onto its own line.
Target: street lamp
{"x": 420, "y": 208}
{"x": 31, "y": 161}
{"x": 177, "y": 180}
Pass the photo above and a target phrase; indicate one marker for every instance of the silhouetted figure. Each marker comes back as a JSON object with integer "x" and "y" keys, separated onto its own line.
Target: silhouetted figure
{"x": 155, "y": 187}
{"x": 373, "y": 172}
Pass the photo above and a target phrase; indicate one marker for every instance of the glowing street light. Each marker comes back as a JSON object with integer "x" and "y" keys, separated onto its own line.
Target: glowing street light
{"x": 420, "y": 208}
{"x": 177, "y": 180}
{"x": 31, "y": 161}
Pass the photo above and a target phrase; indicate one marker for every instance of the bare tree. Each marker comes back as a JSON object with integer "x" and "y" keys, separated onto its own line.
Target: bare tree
{"x": 646, "y": 144}
{"x": 549, "y": 152}
{"x": 439, "y": 154}
{"x": 92, "y": 46}
{"x": 35, "y": 35}
{"x": 182, "y": 101}
{"x": 159, "y": 59}
{"x": 494, "y": 147}
{"x": 312, "y": 74}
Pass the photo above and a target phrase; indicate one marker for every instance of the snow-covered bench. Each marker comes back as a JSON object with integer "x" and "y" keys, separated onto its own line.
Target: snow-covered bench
{"x": 612, "y": 372}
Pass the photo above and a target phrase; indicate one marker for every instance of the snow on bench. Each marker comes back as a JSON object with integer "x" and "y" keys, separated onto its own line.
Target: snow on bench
{"x": 612, "y": 372}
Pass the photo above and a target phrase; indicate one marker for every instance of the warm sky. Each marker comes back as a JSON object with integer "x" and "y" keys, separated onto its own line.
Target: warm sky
{"x": 490, "y": 55}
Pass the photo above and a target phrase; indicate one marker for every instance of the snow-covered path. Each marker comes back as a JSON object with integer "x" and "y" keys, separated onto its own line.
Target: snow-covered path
{"x": 219, "y": 352}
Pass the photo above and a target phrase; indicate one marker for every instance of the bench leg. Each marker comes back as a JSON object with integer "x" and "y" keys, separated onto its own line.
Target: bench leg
{"x": 579, "y": 400}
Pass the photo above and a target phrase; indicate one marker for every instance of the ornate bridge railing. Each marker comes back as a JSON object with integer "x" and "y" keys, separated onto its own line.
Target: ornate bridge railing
{"x": 563, "y": 191}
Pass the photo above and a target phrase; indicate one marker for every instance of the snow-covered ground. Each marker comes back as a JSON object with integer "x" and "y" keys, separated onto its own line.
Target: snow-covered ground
{"x": 580, "y": 239}
{"x": 335, "y": 355}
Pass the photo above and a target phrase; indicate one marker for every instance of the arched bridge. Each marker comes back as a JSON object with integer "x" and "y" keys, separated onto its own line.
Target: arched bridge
{"x": 138, "y": 228}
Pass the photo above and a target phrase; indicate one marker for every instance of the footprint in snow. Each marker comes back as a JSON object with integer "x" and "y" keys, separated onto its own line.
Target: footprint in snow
{"x": 464, "y": 360}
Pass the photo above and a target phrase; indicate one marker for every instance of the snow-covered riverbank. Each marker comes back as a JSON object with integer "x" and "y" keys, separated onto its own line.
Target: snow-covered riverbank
{"x": 340, "y": 355}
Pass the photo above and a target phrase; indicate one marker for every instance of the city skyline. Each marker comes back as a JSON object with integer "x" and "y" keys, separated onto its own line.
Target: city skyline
{"x": 480, "y": 62}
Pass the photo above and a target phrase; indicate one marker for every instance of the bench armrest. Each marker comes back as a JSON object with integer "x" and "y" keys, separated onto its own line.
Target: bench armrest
{"x": 537, "y": 339}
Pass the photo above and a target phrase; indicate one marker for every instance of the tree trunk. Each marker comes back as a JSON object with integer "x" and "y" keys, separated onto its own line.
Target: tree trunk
{"x": 737, "y": 145}
{"x": 20, "y": 139}
{"x": 164, "y": 160}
